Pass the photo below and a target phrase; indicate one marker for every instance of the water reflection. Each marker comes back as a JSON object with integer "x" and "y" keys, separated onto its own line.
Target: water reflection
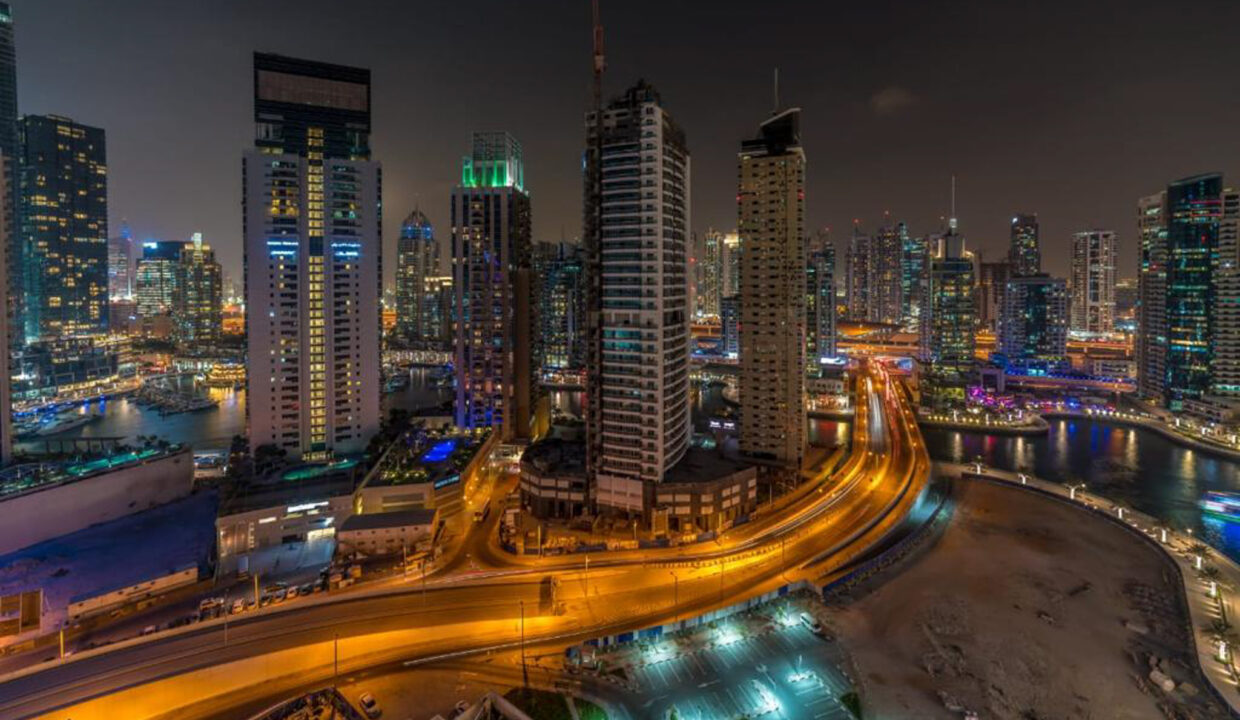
{"x": 1141, "y": 468}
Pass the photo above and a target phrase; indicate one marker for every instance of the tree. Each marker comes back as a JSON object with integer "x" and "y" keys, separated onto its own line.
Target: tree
{"x": 1200, "y": 548}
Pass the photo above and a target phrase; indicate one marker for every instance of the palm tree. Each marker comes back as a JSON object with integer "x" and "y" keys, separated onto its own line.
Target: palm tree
{"x": 1210, "y": 573}
{"x": 1199, "y": 548}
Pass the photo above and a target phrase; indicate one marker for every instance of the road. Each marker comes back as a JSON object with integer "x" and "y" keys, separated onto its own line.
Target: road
{"x": 477, "y": 610}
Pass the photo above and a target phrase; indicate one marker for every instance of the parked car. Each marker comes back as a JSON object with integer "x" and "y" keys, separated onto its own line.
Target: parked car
{"x": 369, "y": 705}
{"x": 812, "y": 623}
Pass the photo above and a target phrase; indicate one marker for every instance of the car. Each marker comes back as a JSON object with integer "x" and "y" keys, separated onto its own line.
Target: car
{"x": 149, "y": 629}
{"x": 238, "y": 606}
{"x": 292, "y": 593}
{"x": 812, "y": 623}
{"x": 369, "y": 705}
{"x": 306, "y": 589}
{"x": 460, "y": 708}
{"x": 280, "y": 596}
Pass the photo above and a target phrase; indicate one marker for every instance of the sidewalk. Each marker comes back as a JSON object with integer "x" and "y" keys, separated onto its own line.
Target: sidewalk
{"x": 1206, "y": 604}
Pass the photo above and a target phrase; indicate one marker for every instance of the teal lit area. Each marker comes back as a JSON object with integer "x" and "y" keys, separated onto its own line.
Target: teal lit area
{"x": 113, "y": 461}
{"x": 307, "y": 472}
{"x": 27, "y": 477}
{"x": 496, "y": 162}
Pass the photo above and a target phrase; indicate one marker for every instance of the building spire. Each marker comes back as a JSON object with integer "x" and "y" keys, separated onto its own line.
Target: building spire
{"x": 776, "y": 110}
{"x": 951, "y": 222}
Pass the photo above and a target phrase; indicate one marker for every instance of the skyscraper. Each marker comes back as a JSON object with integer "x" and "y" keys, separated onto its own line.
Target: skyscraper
{"x": 1034, "y": 329}
{"x": 888, "y": 280}
{"x": 992, "y": 284}
{"x": 860, "y": 277}
{"x": 711, "y": 271}
{"x": 64, "y": 247}
{"x": 915, "y": 263}
{"x": 417, "y": 258}
{"x": 10, "y": 148}
{"x": 638, "y": 425}
{"x": 729, "y": 325}
{"x": 730, "y": 260}
{"x": 1194, "y": 212}
{"x": 199, "y": 304}
{"x": 1151, "y": 337}
{"x": 1225, "y": 372}
{"x": 6, "y": 399}
{"x": 312, "y": 260}
{"x": 1024, "y": 253}
{"x": 561, "y": 303}
{"x": 948, "y": 329}
{"x": 120, "y": 265}
{"x": 157, "y": 278}
{"x": 771, "y": 216}
{"x": 492, "y": 277}
{"x": 876, "y": 274}
{"x": 820, "y": 302}
{"x": 1093, "y": 281}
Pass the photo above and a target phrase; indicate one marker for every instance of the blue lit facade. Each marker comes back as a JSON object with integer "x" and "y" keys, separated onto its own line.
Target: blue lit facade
{"x": 492, "y": 279}
{"x": 1194, "y": 213}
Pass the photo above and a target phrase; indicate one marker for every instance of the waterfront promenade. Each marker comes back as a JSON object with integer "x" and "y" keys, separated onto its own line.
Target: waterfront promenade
{"x": 1213, "y": 604}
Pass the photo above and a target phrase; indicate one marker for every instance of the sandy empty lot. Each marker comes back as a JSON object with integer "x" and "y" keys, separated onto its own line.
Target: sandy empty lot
{"x": 1018, "y": 611}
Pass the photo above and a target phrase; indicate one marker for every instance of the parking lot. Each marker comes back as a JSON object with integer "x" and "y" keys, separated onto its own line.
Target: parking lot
{"x": 743, "y": 669}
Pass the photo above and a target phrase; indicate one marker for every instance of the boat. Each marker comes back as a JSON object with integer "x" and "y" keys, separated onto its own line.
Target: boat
{"x": 65, "y": 423}
{"x": 400, "y": 381}
{"x": 1224, "y": 505}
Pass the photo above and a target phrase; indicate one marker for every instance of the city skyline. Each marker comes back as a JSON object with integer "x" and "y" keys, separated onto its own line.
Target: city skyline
{"x": 872, "y": 119}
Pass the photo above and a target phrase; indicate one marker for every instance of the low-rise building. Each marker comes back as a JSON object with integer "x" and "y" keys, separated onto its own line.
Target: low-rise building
{"x": 278, "y": 514}
{"x": 708, "y": 490}
{"x": 387, "y": 533}
{"x": 40, "y": 501}
{"x": 553, "y": 479}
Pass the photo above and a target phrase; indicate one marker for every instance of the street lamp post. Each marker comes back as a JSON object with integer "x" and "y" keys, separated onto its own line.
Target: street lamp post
{"x": 525, "y": 675}
{"x": 675, "y": 596}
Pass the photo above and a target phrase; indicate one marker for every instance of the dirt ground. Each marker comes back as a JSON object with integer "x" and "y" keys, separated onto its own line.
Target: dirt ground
{"x": 1024, "y": 608}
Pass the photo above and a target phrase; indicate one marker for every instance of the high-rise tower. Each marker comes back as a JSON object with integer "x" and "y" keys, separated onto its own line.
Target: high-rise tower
{"x": 64, "y": 247}
{"x": 1034, "y": 330}
{"x": 771, "y": 223}
{"x": 1152, "y": 298}
{"x": 492, "y": 279}
{"x": 312, "y": 260}
{"x": 417, "y": 260}
{"x": 1024, "y": 253}
{"x": 1093, "y": 281}
{"x": 1194, "y": 212}
{"x": 640, "y": 426}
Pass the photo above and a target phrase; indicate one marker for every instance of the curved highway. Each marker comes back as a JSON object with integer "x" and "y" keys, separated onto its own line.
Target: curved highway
{"x": 205, "y": 669}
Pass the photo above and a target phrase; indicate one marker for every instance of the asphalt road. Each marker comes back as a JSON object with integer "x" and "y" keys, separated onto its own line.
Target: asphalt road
{"x": 866, "y": 499}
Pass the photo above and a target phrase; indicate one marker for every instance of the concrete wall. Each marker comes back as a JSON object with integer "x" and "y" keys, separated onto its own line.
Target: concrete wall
{"x": 133, "y": 593}
{"x": 62, "y": 509}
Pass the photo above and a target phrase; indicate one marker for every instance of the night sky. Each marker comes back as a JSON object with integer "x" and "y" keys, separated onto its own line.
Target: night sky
{"x": 1072, "y": 112}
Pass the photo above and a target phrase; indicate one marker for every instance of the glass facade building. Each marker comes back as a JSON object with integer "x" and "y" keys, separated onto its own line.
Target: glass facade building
{"x": 63, "y": 253}
{"x": 1194, "y": 213}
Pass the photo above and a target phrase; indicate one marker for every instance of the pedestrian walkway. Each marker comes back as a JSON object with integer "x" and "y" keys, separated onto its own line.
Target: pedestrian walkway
{"x": 1209, "y": 600}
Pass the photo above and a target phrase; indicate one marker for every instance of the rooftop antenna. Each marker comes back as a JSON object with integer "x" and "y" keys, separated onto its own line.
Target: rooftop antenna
{"x": 776, "y": 110}
{"x": 951, "y": 223}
